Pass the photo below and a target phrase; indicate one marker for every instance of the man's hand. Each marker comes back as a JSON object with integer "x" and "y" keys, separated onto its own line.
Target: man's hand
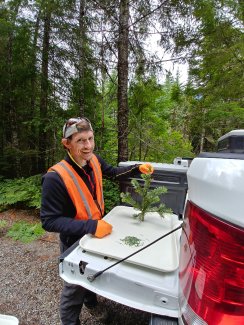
{"x": 103, "y": 229}
{"x": 146, "y": 168}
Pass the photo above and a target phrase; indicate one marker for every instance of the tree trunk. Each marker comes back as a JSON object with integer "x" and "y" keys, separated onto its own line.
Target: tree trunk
{"x": 81, "y": 58}
{"x": 31, "y": 141}
{"x": 203, "y": 131}
{"x": 202, "y": 139}
{"x": 10, "y": 106}
{"x": 123, "y": 110}
{"x": 140, "y": 136}
{"x": 44, "y": 93}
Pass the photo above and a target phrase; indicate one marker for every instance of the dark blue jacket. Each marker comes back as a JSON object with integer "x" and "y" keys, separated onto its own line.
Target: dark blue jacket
{"x": 57, "y": 209}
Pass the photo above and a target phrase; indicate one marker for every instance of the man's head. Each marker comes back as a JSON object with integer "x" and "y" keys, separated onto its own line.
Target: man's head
{"x": 78, "y": 139}
{"x": 76, "y": 124}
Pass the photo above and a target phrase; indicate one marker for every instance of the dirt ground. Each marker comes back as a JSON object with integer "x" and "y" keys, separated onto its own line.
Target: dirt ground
{"x": 30, "y": 285}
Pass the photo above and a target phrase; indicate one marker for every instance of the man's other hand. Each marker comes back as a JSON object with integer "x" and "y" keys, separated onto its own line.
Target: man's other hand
{"x": 146, "y": 168}
{"x": 103, "y": 229}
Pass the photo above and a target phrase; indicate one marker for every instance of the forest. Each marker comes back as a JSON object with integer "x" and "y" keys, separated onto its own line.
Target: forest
{"x": 69, "y": 58}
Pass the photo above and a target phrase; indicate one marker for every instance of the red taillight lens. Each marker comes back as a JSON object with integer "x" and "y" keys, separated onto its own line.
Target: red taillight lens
{"x": 211, "y": 269}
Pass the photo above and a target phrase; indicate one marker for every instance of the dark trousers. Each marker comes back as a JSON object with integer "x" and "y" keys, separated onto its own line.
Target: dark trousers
{"x": 72, "y": 299}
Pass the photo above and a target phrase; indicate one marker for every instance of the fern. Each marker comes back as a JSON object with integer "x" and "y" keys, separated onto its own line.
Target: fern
{"x": 148, "y": 198}
{"x": 25, "y": 191}
{"x": 3, "y": 224}
{"x": 25, "y": 232}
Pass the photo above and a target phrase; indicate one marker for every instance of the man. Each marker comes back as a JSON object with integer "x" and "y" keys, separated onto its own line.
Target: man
{"x": 72, "y": 205}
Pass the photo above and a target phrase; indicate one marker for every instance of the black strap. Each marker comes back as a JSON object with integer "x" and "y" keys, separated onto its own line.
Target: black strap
{"x": 92, "y": 277}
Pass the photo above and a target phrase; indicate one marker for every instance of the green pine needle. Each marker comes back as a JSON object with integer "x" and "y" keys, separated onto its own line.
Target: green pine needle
{"x": 148, "y": 198}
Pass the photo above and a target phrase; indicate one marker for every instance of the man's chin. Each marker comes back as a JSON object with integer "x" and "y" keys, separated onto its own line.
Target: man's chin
{"x": 87, "y": 156}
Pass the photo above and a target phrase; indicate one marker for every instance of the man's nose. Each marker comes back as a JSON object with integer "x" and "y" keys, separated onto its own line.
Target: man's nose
{"x": 87, "y": 143}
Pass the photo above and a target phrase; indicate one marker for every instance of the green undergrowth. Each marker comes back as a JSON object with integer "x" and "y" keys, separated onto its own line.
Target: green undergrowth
{"x": 25, "y": 193}
{"x": 3, "y": 224}
{"x": 25, "y": 232}
{"x": 20, "y": 192}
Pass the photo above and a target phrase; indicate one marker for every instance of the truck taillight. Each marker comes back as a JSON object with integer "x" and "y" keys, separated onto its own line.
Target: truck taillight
{"x": 211, "y": 270}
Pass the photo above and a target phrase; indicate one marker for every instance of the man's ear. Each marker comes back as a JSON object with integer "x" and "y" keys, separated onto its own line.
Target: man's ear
{"x": 65, "y": 143}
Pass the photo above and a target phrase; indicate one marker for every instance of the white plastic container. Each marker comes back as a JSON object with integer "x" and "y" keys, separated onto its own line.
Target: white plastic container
{"x": 8, "y": 320}
{"x": 163, "y": 256}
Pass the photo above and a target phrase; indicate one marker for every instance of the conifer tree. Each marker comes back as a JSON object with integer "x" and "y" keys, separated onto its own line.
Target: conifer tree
{"x": 148, "y": 199}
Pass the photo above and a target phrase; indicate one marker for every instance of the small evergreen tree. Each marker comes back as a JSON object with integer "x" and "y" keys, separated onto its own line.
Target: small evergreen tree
{"x": 148, "y": 198}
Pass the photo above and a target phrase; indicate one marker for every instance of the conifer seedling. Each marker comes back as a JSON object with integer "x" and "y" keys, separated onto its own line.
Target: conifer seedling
{"x": 148, "y": 198}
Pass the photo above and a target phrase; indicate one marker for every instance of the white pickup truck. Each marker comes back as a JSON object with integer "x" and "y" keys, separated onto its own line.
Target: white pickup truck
{"x": 191, "y": 269}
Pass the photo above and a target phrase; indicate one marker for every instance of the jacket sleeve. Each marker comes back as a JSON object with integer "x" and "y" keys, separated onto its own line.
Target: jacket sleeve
{"x": 58, "y": 212}
{"x": 118, "y": 173}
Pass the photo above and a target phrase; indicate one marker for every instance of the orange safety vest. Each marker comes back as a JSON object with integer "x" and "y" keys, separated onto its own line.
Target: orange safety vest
{"x": 86, "y": 206}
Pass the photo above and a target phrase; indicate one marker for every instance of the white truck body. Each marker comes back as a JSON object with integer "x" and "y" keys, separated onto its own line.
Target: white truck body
{"x": 215, "y": 186}
{"x": 137, "y": 282}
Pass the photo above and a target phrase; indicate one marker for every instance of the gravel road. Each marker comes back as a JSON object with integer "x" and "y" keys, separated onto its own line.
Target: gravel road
{"x": 30, "y": 285}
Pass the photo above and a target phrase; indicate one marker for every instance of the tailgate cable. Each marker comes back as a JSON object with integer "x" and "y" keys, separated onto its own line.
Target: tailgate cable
{"x": 92, "y": 277}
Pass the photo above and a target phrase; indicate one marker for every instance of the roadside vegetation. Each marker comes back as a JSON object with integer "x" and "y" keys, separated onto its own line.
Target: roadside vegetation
{"x": 25, "y": 193}
{"x": 23, "y": 231}
{"x": 60, "y": 61}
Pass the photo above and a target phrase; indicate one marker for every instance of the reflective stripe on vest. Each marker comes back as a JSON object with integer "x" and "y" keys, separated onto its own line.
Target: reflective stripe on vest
{"x": 86, "y": 206}
{"x": 98, "y": 180}
{"x": 78, "y": 188}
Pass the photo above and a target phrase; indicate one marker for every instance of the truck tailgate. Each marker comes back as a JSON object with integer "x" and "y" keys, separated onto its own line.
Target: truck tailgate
{"x": 133, "y": 284}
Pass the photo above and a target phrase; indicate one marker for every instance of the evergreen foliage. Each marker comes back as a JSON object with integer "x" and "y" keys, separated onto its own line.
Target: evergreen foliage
{"x": 22, "y": 192}
{"x": 216, "y": 72}
{"x": 3, "y": 224}
{"x": 25, "y": 232}
{"x": 158, "y": 121}
{"x": 26, "y": 193}
{"x": 148, "y": 199}
{"x": 58, "y": 62}
{"x": 111, "y": 194}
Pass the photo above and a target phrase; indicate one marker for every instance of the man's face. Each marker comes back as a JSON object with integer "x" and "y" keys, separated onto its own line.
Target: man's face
{"x": 81, "y": 146}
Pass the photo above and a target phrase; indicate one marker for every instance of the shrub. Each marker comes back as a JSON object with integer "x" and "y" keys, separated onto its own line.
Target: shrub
{"x": 22, "y": 191}
{"x": 25, "y": 232}
{"x": 111, "y": 194}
